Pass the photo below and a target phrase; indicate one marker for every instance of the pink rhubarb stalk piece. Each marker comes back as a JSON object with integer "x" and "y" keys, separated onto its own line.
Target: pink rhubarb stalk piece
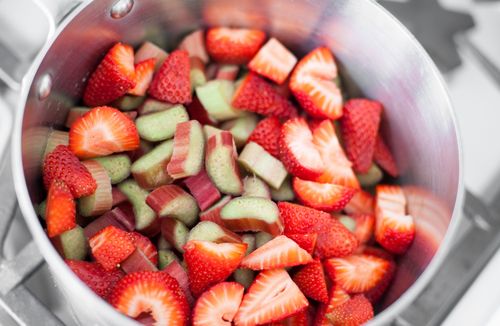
{"x": 227, "y": 72}
{"x": 137, "y": 262}
{"x": 189, "y": 147}
{"x": 194, "y": 44}
{"x": 149, "y": 50}
{"x": 173, "y": 202}
{"x": 175, "y": 270}
{"x": 202, "y": 189}
{"x": 213, "y": 213}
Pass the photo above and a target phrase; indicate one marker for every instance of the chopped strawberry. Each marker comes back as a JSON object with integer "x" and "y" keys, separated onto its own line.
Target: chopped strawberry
{"x": 355, "y": 311}
{"x": 273, "y": 61}
{"x": 336, "y": 241}
{"x": 144, "y": 72}
{"x": 297, "y": 150}
{"x": 233, "y": 45}
{"x": 113, "y": 77}
{"x": 305, "y": 241}
{"x": 172, "y": 83}
{"x": 364, "y": 228}
{"x": 301, "y": 219}
{"x": 357, "y": 273}
{"x": 311, "y": 281}
{"x": 338, "y": 297}
{"x": 383, "y": 157}
{"x": 111, "y": 246}
{"x": 154, "y": 293}
{"x": 62, "y": 164}
{"x": 374, "y": 295}
{"x": 146, "y": 246}
{"x": 267, "y": 134}
{"x": 218, "y": 305}
{"x": 256, "y": 95}
{"x": 271, "y": 297}
{"x": 337, "y": 167}
{"x": 312, "y": 83}
{"x": 194, "y": 44}
{"x": 394, "y": 230}
{"x": 102, "y": 131}
{"x": 278, "y": 253}
{"x": 324, "y": 196}
{"x": 95, "y": 276}
{"x": 360, "y": 125}
{"x": 301, "y": 318}
{"x": 61, "y": 209}
{"x": 361, "y": 203}
{"x": 209, "y": 263}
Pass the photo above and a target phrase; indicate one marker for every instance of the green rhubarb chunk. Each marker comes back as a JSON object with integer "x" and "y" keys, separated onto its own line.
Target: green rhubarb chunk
{"x": 41, "y": 209}
{"x": 153, "y": 106}
{"x": 117, "y": 166}
{"x": 241, "y": 128}
{"x": 144, "y": 215}
{"x": 184, "y": 208}
{"x": 56, "y": 138}
{"x": 165, "y": 257}
{"x": 197, "y": 77}
{"x": 72, "y": 244}
{"x": 261, "y": 238}
{"x": 244, "y": 276}
{"x": 163, "y": 244}
{"x": 74, "y": 113}
{"x": 209, "y": 131}
{"x": 161, "y": 125}
{"x": 216, "y": 97}
{"x": 150, "y": 170}
{"x": 184, "y": 164}
{"x": 255, "y": 187}
{"x": 129, "y": 102}
{"x": 210, "y": 231}
{"x": 101, "y": 200}
{"x": 175, "y": 232}
{"x": 257, "y": 160}
{"x": 371, "y": 177}
{"x": 285, "y": 192}
{"x": 348, "y": 222}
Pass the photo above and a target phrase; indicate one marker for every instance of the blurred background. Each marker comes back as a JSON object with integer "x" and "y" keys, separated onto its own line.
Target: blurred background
{"x": 462, "y": 37}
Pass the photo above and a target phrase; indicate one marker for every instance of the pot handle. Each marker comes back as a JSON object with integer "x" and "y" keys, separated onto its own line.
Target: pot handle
{"x": 25, "y": 37}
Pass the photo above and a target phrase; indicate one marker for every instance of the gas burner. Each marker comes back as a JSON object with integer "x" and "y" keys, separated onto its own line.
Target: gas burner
{"x": 434, "y": 26}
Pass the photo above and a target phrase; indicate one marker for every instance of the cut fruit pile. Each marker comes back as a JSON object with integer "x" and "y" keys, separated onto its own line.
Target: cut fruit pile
{"x": 236, "y": 191}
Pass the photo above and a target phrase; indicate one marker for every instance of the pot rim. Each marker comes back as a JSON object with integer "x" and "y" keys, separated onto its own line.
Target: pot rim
{"x": 56, "y": 262}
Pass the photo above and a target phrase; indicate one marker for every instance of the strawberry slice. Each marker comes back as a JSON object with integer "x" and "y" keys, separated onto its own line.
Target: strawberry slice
{"x": 271, "y": 297}
{"x": 311, "y": 281}
{"x": 357, "y": 273}
{"x": 61, "y": 209}
{"x": 144, "y": 72}
{"x": 172, "y": 82}
{"x": 113, "y": 77}
{"x": 95, "y": 276}
{"x": 151, "y": 293}
{"x": 394, "y": 230}
{"x": 338, "y": 297}
{"x": 302, "y": 318}
{"x": 300, "y": 219}
{"x": 361, "y": 203}
{"x": 233, "y": 45}
{"x": 62, "y": 164}
{"x": 355, "y": 311}
{"x": 335, "y": 241}
{"x": 374, "y": 295}
{"x": 102, "y": 131}
{"x": 267, "y": 134}
{"x": 338, "y": 168}
{"x": 256, "y": 95}
{"x": 297, "y": 150}
{"x": 111, "y": 246}
{"x": 278, "y": 253}
{"x": 324, "y": 196}
{"x": 146, "y": 246}
{"x": 210, "y": 263}
{"x": 273, "y": 61}
{"x": 364, "y": 228}
{"x": 360, "y": 124}
{"x": 312, "y": 83}
{"x": 219, "y": 305}
{"x": 305, "y": 241}
{"x": 383, "y": 157}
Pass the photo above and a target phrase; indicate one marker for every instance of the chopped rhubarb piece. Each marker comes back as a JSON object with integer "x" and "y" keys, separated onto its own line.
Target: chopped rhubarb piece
{"x": 150, "y": 171}
{"x": 252, "y": 214}
{"x": 210, "y": 231}
{"x": 129, "y": 103}
{"x": 117, "y": 166}
{"x": 261, "y": 238}
{"x": 215, "y": 96}
{"x": 227, "y": 72}
{"x": 153, "y": 106}
{"x": 101, "y": 200}
{"x": 189, "y": 147}
{"x": 56, "y": 138}
{"x": 203, "y": 190}
{"x": 74, "y": 114}
{"x": 175, "y": 270}
{"x": 165, "y": 257}
{"x": 103, "y": 221}
{"x": 137, "y": 262}
{"x": 209, "y": 131}
{"x": 197, "y": 75}
{"x": 213, "y": 213}
{"x": 144, "y": 215}
{"x": 256, "y": 160}
{"x": 372, "y": 177}
{"x": 196, "y": 111}
{"x": 171, "y": 201}
{"x": 220, "y": 164}
{"x": 273, "y": 61}
{"x": 255, "y": 187}
{"x": 194, "y": 44}
{"x": 161, "y": 125}
{"x": 72, "y": 244}
{"x": 144, "y": 148}
{"x": 149, "y": 50}
{"x": 175, "y": 232}
{"x": 283, "y": 193}
{"x": 246, "y": 276}
{"x": 125, "y": 215}
{"x": 241, "y": 128}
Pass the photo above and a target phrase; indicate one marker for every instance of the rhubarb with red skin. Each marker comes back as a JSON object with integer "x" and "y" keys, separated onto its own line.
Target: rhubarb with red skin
{"x": 173, "y": 202}
{"x": 203, "y": 190}
{"x": 101, "y": 200}
{"x": 175, "y": 232}
{"x": 197, "y": 112}
{"x": 137, "y": 262}
{"x": 189, "y": 147}
{"x": 56, "y": 138}
{"x": 176, "y": 271}
{"x": 213, "y": 213}
{"x": 227, "y": 72}
{"x": 213, "y": 232}
{"x": 194, "y": 44}
{"x": 74, "y": 114}
{"x": 149, "y": 50}
{"x": 109, "y": 218}
{"x": 150, "y": 171}
{"x": 118, "y": 197}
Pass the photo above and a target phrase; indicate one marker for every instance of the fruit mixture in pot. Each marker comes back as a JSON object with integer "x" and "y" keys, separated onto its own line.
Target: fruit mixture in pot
{"x": 227, "y": 182}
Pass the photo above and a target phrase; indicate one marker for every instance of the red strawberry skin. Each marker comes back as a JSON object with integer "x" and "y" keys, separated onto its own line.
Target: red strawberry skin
{"x": 383, "y": 157}
{"x": 311, "y": 281}
{"x": 267, "y": 134}
{"x": 60, "y": 211}
{"x": 360, "y": 124}
{"x": 374, "y": 295}
{"x": 305, "y": 241}
{"x": 95, "y": 276}
{"x": 146, "y": 246}
{"x": 257, "y": 95}
{"x": 111, "y": 246}
{"x": 171, "y": 83}
{"x": 337, "y": 241}
{"x": 156, "y": 293}
{"x": 356, "y": 311}
{"x": 114, "y": 76}
{"x": 300, "y": 219}
{"x": 62, "y": 164}
{"x": 144, "y": 72}
{"x": 233, "y": 45}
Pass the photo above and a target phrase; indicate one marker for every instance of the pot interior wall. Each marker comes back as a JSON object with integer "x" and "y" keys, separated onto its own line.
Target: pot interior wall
{"x": 377, "y": 58}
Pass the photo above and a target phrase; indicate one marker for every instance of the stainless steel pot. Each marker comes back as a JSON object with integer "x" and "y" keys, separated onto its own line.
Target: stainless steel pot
{"x": 379, "y": 59}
